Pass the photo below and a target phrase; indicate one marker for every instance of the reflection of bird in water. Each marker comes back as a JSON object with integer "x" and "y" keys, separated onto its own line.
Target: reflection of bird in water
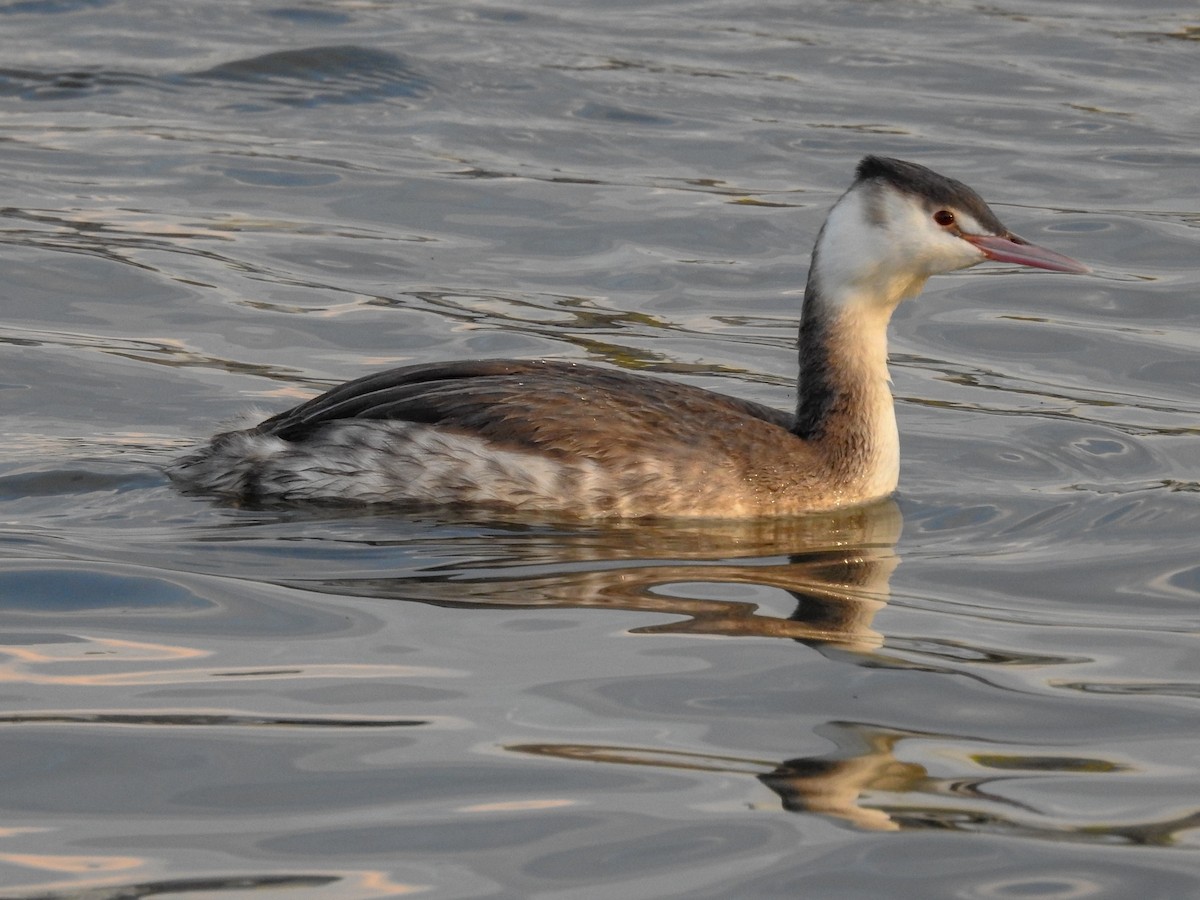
{"x": 563, "y": 438}
{"x": 863, "y": 782}
{"x": 833, "y": 785}
{"x": 830, "y": 572}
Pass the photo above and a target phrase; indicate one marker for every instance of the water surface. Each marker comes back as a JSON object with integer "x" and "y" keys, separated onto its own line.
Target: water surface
{"x": 986, "y": 689}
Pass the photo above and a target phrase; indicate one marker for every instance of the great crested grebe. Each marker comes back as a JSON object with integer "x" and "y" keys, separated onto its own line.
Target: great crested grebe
{"x": 564, "y": 438}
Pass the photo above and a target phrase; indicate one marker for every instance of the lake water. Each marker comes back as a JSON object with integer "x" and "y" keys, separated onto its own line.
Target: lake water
{"x": 987, "y": 690}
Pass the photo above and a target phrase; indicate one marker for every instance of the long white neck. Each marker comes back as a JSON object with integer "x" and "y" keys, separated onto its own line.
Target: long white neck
{"x": 845, "y": 406}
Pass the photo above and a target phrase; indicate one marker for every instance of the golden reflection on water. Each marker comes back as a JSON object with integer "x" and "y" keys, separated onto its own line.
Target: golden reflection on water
{"x": 27, "y": 664}
{"x": 72, "y": 864}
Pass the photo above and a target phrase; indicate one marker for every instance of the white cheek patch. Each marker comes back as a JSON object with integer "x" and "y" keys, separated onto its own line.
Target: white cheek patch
{"x": 969, "y": 225}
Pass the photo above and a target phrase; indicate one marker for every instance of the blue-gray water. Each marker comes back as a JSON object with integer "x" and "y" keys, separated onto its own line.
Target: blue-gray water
{"x": 988, "y": 690}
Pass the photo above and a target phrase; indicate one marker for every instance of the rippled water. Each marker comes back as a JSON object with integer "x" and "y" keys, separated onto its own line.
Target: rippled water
{"x": 988, "y": 689}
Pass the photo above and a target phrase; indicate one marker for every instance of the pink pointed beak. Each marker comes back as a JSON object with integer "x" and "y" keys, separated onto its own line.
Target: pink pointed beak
{"x": 1012, "y": 249}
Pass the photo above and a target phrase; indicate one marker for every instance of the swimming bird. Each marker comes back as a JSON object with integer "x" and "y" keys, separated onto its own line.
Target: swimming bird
{"x": 563, "y": 438}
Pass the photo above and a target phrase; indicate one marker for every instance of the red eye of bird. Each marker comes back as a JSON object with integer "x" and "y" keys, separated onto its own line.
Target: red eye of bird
{"x": 944, "y": 217}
